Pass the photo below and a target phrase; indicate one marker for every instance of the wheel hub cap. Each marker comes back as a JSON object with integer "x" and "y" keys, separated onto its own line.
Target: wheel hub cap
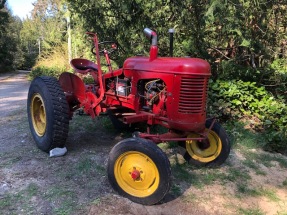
{"x": 136, "y": 174}
{"x": 38, "y": 114}
{"x": 205, "y": 151}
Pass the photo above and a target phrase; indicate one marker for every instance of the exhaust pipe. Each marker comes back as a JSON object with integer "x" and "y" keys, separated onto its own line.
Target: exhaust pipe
{"x": 150, "y": 34}
{"x": 171, "y": 32}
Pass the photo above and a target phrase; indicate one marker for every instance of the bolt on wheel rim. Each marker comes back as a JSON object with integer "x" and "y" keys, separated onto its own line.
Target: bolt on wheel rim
{"x": 204, "y": 155}
{"x": 38, "y": 114}
{"x": 136, "y": 174}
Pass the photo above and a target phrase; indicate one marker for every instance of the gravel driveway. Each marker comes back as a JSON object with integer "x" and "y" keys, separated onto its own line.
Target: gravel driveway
{"x": 13, "y": 92}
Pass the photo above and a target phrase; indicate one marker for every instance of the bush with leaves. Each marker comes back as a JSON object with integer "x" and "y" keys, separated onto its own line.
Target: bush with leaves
{"x": 238, "y": 99}
{"x": 46, "y": 71}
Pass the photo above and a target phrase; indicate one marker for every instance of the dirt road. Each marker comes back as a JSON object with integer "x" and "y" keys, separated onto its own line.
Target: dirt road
{"x": 250, "y": 182}
{"x": 13, "y": 92}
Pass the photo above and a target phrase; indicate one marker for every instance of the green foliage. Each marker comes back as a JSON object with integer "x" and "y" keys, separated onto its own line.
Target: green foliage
{"x": 237, "y": 99}
{"x": 46, "y": 71}
{"x": 10, "y": 52}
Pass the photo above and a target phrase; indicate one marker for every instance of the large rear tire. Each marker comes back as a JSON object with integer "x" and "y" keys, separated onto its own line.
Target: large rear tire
{"x": 139, "y": 170}
{"x": 212, "y": 155}
{"x": 48, "y": 113}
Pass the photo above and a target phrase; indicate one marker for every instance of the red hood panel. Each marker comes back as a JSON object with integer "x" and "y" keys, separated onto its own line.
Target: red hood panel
{"x": 191, "y": 66}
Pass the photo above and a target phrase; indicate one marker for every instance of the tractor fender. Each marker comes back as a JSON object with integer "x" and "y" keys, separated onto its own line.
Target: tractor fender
{"x": 73, "y": 87}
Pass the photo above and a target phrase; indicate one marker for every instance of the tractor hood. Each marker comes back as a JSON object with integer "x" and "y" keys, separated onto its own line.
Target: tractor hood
{"x": 188, "y": 66}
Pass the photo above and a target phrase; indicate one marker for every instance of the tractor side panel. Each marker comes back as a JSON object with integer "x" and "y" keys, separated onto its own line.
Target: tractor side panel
{"x": 188, "y": 108}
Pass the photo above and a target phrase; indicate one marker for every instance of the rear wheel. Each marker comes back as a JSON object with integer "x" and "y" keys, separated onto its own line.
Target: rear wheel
{"x": 212, "y": 152}
{"x": 139, "y": 170}
{"x": 48, "y": 114}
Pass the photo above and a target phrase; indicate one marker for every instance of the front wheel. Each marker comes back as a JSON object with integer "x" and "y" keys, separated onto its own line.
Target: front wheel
{"x": 139, "y": 170}
{"x": 212, "y": 152}
{"x": 48, "y": 113}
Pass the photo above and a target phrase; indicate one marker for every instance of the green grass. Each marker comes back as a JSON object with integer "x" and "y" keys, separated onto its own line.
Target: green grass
{"x": 252, "y": 165}
{"x": 270, "y": 194}
{"x": 264, "y": 158}
{"x": 84, "y": 166}
{"x": 97, "y": 201}
{"x": 243, "y": 137}
{"x": 64, "y": 199}
{"x": 9, "y": 161}
{"x": 199, "y": 178}
{"x": 282, "y": 161}
{"x": 86, "y": 123}
{"x": 249, "y": 211}
{"x": 235, "y": 174}
{"x": 6, "y": 201}
{"x": 243, "y": 188}
{"x": 284, "y": 183}
{"x": 176, "y": 190}
{"x": 181, "y": 173}
{"x": 190, "y": 198}
{"x": 22, "y": 199}
{"x": 87, "y": 166}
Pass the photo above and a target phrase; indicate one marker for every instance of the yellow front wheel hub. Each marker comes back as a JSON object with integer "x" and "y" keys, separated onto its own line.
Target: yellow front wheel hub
{"x": 204, "y": 154}
{"x": 136, "y": 174}
{"x": 38, "y": 114}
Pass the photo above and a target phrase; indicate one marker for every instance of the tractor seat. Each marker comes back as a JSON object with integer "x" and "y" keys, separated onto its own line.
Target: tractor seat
{"x": 83, "y": 66}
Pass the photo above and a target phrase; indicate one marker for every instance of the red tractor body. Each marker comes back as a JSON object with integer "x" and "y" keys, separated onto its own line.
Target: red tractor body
{"x": 182, "y": 106}
{"x": 168, "y": 91}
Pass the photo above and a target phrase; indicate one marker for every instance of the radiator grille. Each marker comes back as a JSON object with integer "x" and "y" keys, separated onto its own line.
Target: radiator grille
{"x": 192, "y": 96}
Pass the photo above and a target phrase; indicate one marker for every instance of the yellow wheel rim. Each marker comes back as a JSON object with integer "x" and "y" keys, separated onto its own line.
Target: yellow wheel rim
{"x": 204, "y": 155}
{"x": 38, "y": 114}
{"x": 136, "y": 174}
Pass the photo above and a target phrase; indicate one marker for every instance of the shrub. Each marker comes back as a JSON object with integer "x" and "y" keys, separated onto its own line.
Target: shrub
{"x": 46, "y": 71}
{"x": 237, "y": 99}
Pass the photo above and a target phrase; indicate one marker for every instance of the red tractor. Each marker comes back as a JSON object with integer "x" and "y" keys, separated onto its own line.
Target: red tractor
{"x": 166, "y": 91}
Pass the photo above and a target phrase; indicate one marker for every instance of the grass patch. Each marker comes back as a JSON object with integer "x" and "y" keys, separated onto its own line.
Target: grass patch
{"x": 252, "y": 165}
{"x": 243, "y": 137}
{"x": 282, "y": 161}
{"x": 237, "y": 175}
{"x": 64, "y": 200}
{"x": 9, "y": 161}
{"x": 85, "y": 169}
{"x": 21, "y": 200}
{"x": 181, "y": 173}
{"x": 86, "y": 124}
{"x": 210, "y": 176}
{"x": 87, "y": 166}
{"x": 97, "y": 201}
{"x": 249, "y": 211}
{"x": 264, "y": 158}
{"x": 191, "y": 197}
{"x": 198, "y": 177}
{"x": 270, "y": 194}
{"x": 244, "y": 189}
{"x": 284, "y": 183}
{"x": 175, "y": 190}
{"x": 84, "y": 166}
{"x": 6, "y": 202}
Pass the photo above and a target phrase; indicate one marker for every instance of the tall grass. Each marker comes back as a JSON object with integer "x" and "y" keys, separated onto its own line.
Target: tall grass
{"x": 51, "y": 63}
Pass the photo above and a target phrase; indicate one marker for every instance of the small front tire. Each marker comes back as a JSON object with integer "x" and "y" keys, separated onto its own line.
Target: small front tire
{"x": 215, "y": 153}
{"x": 139, "y": 170}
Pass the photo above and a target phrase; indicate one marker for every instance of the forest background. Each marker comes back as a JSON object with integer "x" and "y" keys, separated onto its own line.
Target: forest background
{"x": 245, "y": 42}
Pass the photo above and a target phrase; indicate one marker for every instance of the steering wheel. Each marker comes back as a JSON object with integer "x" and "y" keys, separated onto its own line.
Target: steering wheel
{"x": 109, "y": 46}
